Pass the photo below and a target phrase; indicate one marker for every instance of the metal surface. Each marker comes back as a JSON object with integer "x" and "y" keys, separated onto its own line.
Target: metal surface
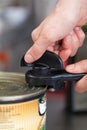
{"x": 14, "y": 88}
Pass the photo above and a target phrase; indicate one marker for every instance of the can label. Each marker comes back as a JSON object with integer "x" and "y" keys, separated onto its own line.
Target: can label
{"x": 30, "y": 115}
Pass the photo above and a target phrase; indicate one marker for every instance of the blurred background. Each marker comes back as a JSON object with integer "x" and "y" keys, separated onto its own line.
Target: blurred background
{"x": 66, "y": 110}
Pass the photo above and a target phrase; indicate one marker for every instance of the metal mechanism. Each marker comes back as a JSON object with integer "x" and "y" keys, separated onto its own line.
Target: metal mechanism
{"x": 49, "y": 71}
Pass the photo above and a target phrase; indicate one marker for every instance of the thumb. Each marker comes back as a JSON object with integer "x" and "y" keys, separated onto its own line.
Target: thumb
{"x": 79, "y": 67}
{"x": 36, "y": 51}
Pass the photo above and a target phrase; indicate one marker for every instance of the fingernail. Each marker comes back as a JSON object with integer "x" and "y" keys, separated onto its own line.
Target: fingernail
{"x": 28, "y": 58}
{"x": 70, "y": 67}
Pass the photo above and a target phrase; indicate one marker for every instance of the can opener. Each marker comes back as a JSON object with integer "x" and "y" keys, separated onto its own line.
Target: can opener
{"x": 49, "y": 71}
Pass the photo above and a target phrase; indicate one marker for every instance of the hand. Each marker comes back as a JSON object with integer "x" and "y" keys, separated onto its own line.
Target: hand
{"x": 67, "y": 15}
{"x": 69, "y": 45}
{"x": 79, "y": 67}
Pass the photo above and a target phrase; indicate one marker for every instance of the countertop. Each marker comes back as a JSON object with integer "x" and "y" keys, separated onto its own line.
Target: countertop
{"x": 59, "y": 119}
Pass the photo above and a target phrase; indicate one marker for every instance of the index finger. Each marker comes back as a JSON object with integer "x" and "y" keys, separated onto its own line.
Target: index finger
{"x": 37, "y": 50}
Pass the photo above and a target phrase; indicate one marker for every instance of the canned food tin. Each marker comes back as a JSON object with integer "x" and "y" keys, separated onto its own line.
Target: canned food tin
{"x": 21, "y": 107}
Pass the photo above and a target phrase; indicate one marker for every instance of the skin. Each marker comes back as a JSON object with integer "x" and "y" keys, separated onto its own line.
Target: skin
{"x": 80, "y": 67}
{"x": 63, "y": 23}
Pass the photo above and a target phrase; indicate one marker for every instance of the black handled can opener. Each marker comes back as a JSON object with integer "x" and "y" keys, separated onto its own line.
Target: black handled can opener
{"x": 49, "y": 71}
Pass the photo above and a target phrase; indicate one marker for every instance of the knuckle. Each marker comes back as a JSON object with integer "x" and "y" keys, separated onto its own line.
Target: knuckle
{"x": 82, "y": 38}
{"x": 84, "y": 35}
{"x": 47, "y": 37}
{"x": 50, "y": 35}
{"x": 34, "y": 35}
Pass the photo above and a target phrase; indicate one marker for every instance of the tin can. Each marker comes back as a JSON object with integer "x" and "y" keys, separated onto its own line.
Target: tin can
{"x": 21, "y": 107}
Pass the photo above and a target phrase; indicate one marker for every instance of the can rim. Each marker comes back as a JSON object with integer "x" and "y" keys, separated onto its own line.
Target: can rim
{"x": 26, "y": 96}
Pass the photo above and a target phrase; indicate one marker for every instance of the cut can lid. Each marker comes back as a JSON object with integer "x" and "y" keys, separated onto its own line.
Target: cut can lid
{"x": 13, "y": 88}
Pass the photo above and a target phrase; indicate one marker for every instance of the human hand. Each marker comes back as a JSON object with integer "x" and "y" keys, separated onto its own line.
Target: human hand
{"x": 79, "y": 67}
{"x": 63, "y": 19}
{"x": 69, "y": 45}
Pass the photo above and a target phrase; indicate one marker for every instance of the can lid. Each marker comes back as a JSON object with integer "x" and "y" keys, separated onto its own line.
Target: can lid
{"x": 13, "y": 88}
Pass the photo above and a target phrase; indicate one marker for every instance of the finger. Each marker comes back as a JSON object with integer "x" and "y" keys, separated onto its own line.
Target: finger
{"x": 81, "y": 85}
{"x": 75, "y": 43}
{"x": 52, "y": 29}
{"x": 67, "y": 42}
{"x": 35, "y": 34}
{"x": 50, "y": 48}
{"x": 79, "y": 67}
{"x": 65, "y": 49}
{"x": 70, "y": 46}
{"x": 37, "y": 50}
{"x": 80, "y": 34}
{"x": 72, "y": 42}
{"x": 42, "y": 42}
{"x": 64, "y": 54}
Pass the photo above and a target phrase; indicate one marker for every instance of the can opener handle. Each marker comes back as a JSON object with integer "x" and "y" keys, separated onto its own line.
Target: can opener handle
{"x": 49, "y": 71}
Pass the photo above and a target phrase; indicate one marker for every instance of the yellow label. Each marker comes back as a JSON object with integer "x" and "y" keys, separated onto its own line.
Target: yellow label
{"x": 21, "y": 116}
